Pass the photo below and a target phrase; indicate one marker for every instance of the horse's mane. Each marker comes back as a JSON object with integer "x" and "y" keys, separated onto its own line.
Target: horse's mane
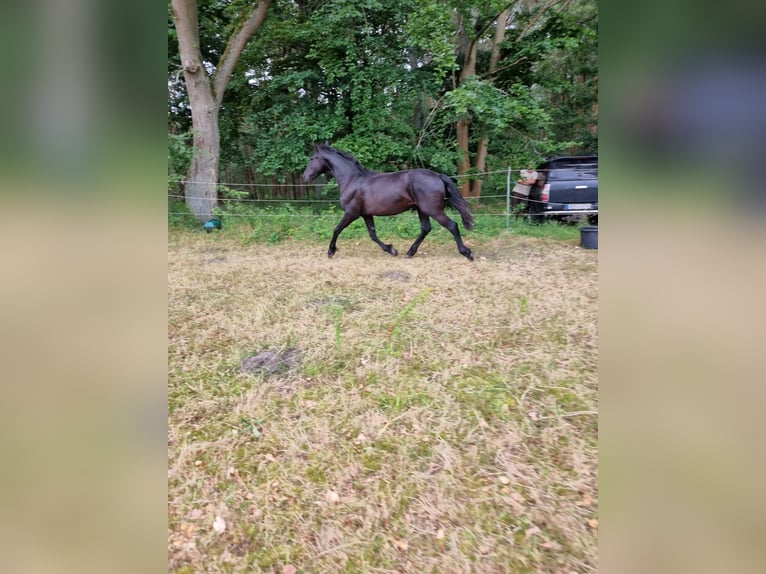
{"x": 347, "y": 156}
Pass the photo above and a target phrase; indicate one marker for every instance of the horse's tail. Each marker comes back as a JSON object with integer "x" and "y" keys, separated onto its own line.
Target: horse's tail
{"x": 457, "y": 201}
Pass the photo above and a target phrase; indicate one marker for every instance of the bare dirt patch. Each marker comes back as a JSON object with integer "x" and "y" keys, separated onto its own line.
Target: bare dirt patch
{"x": 270, "y": 362}
{"x": 442, "y": 417}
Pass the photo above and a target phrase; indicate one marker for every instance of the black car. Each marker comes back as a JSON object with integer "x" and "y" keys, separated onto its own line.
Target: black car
{"x": 566, "y": 189}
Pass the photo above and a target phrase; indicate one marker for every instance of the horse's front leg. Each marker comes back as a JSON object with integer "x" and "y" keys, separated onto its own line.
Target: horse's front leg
{"x": 344, "y": 222}
{"x": 388, "y": 248}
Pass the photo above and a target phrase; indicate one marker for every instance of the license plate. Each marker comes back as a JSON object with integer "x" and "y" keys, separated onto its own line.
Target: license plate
{"x": 578, "y": 205}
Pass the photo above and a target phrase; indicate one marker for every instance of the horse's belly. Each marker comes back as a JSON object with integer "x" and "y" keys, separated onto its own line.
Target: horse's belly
{"x": 393, "y": 209}
{"x": 387, "y": 206}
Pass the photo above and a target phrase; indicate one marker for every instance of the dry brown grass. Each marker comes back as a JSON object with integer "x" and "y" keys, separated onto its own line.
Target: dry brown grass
{"x": 441, "y": 419}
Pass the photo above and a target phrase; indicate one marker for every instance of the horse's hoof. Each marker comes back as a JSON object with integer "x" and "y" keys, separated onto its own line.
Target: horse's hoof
{"x": 393, "y": 252}
{"x": 330, "y": 254}
{"x": 469, "y": 255}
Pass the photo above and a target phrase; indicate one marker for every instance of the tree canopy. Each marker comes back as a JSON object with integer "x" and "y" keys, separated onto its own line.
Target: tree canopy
{"x": 386, "y": 81}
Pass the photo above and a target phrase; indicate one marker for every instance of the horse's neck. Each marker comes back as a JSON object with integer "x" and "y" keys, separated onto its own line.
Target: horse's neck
{"x": 343, "y": 172}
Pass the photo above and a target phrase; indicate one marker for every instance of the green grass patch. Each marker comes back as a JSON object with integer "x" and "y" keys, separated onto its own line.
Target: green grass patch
{"x": 275, "y": 224}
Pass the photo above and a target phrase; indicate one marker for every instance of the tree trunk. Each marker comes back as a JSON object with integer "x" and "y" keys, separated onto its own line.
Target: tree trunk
{"x": 205, "y": 96}
{"x": 481, "y": 150}
{"x": 481, "y": 165}
{"x": 463, "y": 141}
{"x": 202, "y": 184}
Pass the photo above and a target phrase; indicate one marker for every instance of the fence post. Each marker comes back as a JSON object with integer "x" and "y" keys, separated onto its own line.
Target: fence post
{"x": 508, "y": 198}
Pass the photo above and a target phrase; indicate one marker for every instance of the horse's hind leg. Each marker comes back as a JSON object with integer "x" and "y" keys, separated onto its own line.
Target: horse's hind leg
{"x": 344, "y": 222}
{"x": 388, "y": 248}
{"x": 425, "y": 228}
{"x": 453, "y": 229}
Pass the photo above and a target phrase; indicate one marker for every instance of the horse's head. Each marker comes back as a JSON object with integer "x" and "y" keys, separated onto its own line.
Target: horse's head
{"x": 318, "y": 164}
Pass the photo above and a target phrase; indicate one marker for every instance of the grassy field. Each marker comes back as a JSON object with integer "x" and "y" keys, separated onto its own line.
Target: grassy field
{"x": 438, "y": 415}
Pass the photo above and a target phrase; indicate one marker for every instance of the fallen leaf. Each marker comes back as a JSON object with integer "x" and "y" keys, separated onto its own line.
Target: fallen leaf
{"x": 219, "y": 525}
{"x": 331, "y": 496}
{"x": 289, "y": 569}
{"x": 533, "y": 416}
{"x": 440, "y": 534}
{"x": 401, "y": 544}
{"x": 504, "y": 479}
{"x": 586, "y": 501}
{"x": 593, "y": 523}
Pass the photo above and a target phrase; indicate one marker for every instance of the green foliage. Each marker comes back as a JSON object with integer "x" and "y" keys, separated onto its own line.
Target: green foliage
{"x": 179, "y": 156}
{"x": 379, "y": 79}
{"x": 232, "y": 203}
{"x": 429, "y": 29}
{"x": 494, "y": 109}
{"x": 558, "y": 60}
{"x": 179, "y": 216}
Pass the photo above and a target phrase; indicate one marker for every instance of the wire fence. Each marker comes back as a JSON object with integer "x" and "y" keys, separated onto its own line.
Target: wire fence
{"x": 331, "y": 201}
{"x": 576, "y": 209}
{"x": 240, "y": 184}
{"x": 283, "y": 200}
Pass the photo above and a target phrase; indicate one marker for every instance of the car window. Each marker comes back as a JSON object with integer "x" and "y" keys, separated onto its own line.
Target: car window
{"x": 574, "y": 172}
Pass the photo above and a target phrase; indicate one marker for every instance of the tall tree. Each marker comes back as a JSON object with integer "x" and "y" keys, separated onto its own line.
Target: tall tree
{"x": 472, "y": 24}
{"x": 205, "y": 89}
{"x": 482, "y": 148}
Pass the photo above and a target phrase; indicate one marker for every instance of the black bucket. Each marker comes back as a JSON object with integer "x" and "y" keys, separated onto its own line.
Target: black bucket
{"x": 589, "y": 237}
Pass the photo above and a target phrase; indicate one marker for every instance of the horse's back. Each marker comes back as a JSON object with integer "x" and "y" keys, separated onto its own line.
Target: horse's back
{"x": 413, "y": 182}
{"x": 426, "y": 181}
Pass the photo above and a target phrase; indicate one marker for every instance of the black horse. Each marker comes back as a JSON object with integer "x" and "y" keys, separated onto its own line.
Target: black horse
{"x": 364, "y": 193}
